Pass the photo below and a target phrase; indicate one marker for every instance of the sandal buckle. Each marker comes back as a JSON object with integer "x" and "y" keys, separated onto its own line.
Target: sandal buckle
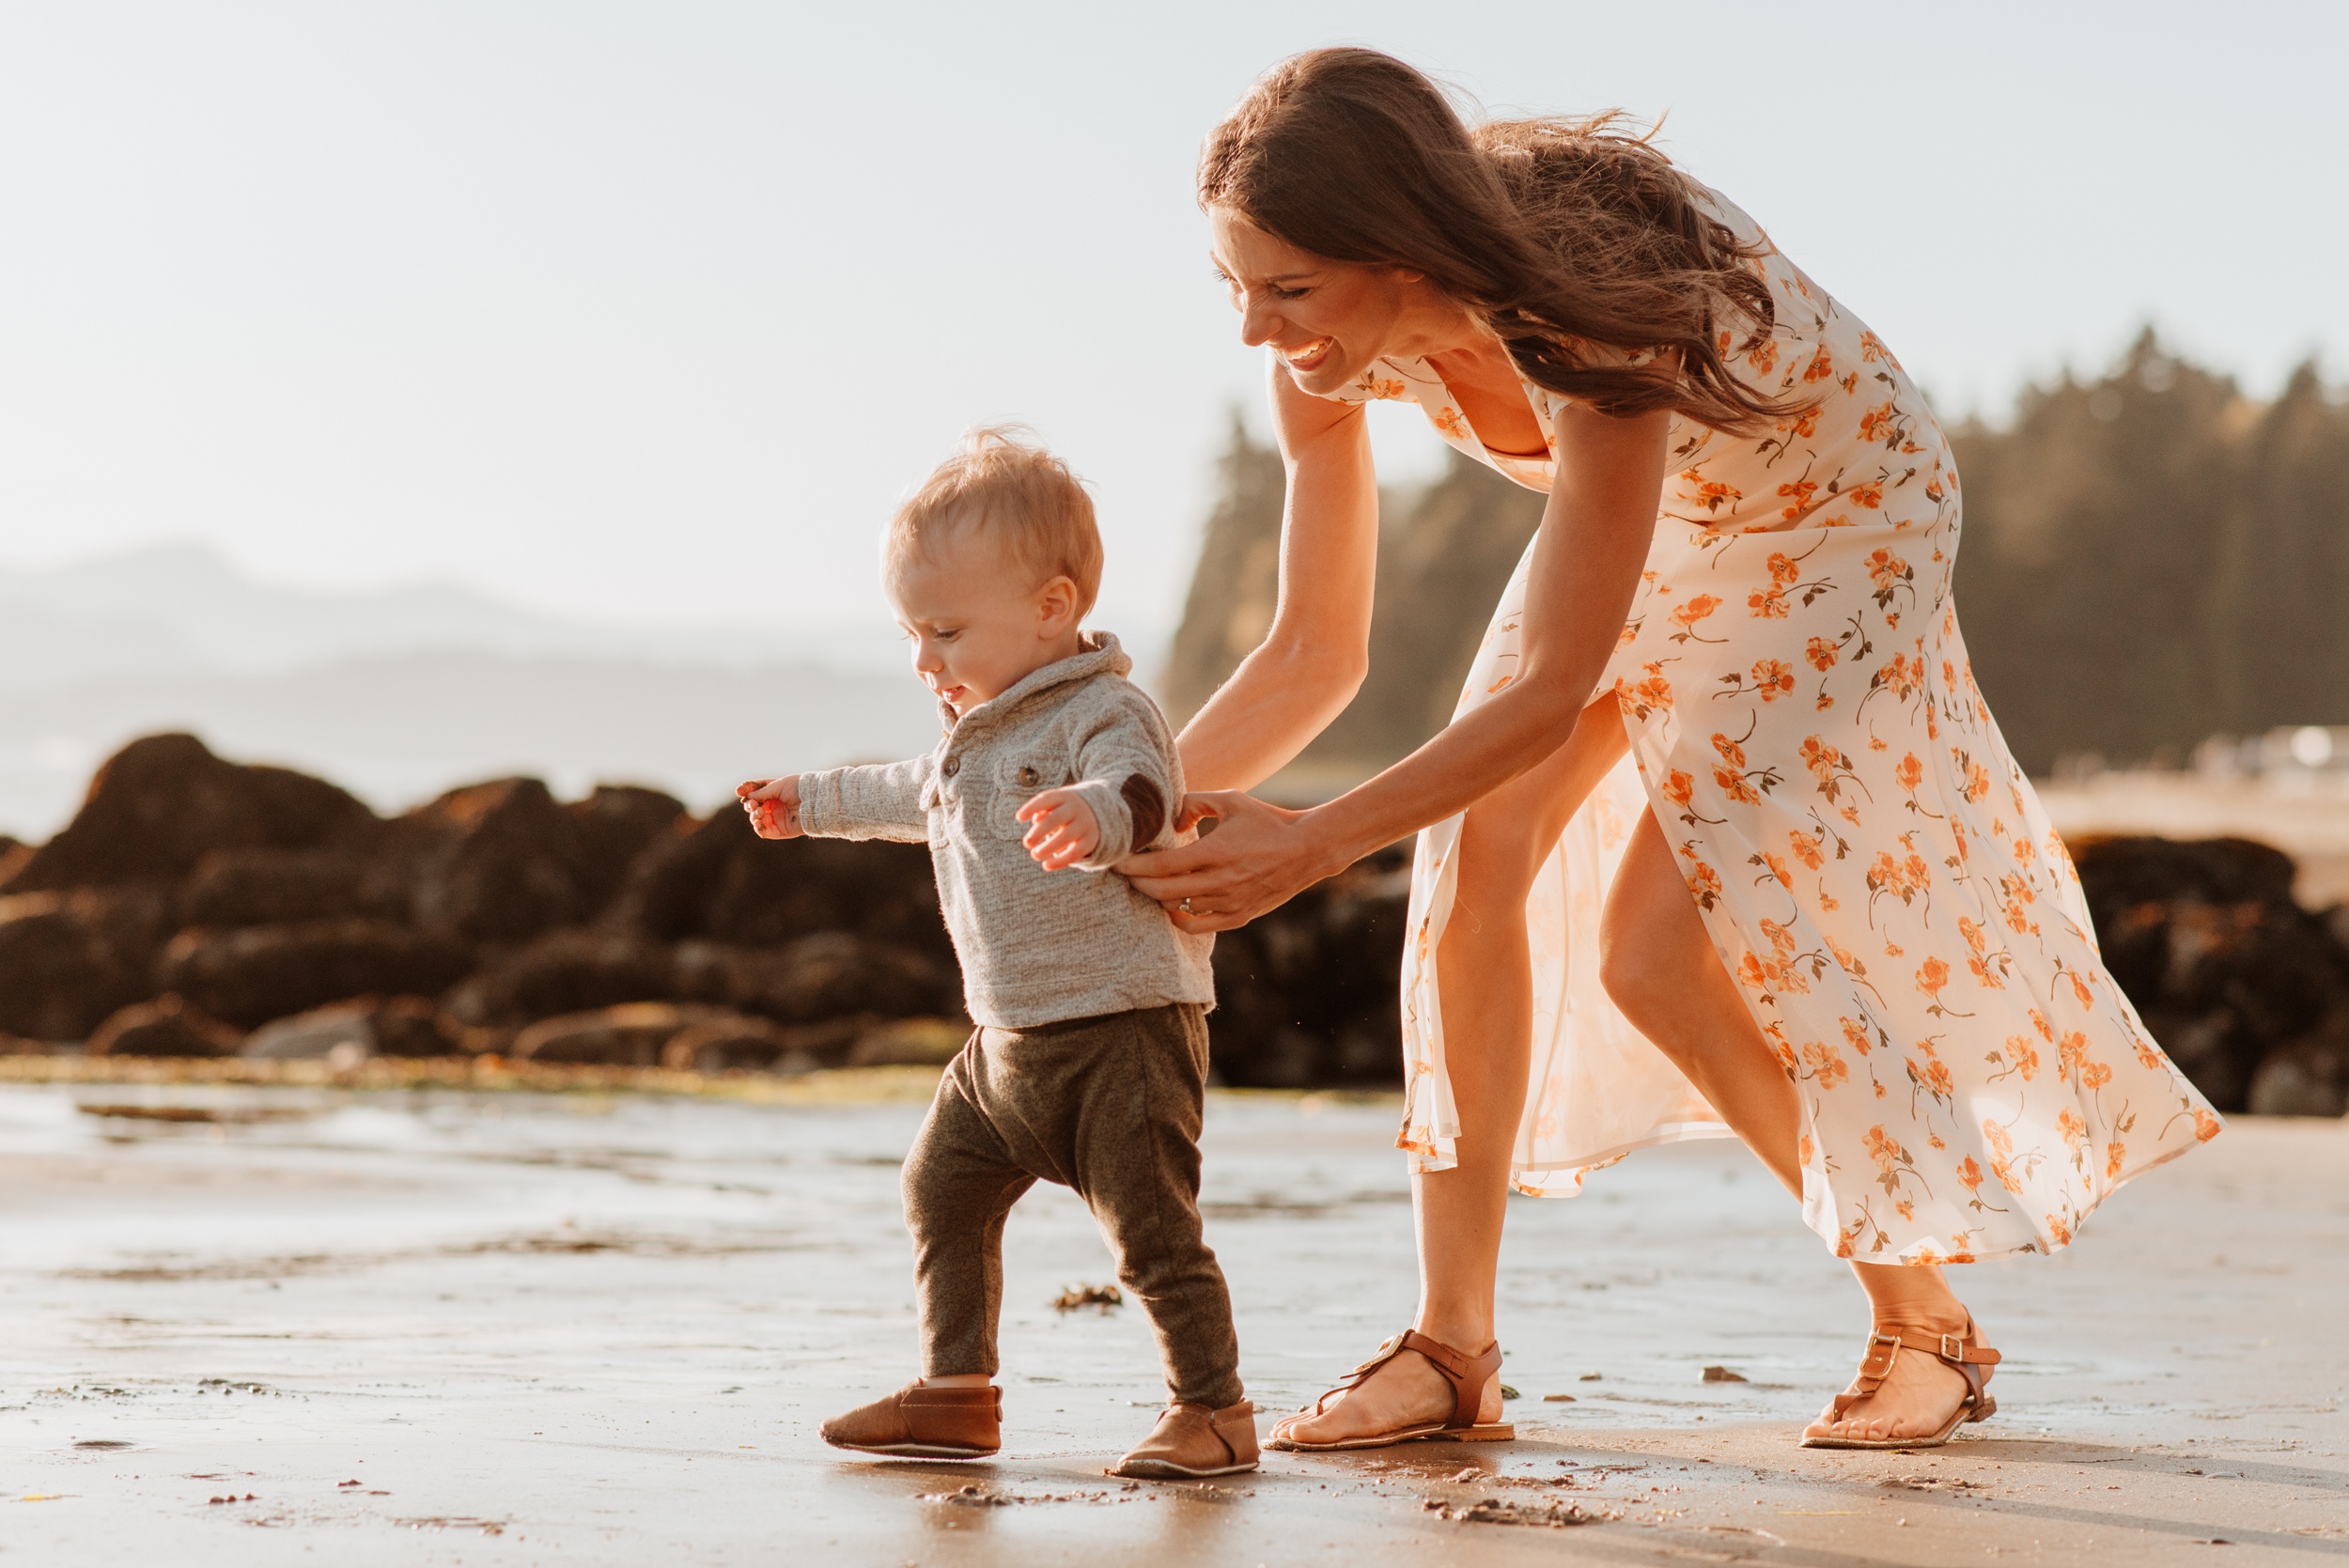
{"x": 1953, "y": 1348}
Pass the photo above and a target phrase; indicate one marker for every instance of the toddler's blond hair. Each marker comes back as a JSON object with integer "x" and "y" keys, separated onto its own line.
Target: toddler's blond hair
{"x": 1020, "y": 498}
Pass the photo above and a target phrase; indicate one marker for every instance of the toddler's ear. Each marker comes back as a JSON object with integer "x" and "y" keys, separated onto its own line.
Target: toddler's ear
{"x": 1056, "y": 606}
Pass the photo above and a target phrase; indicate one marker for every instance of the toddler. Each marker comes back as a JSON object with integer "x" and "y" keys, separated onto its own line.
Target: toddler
{"x": 1089, "y": 1063}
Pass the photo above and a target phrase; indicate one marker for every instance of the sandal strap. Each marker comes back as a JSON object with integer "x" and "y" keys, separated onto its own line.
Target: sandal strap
{"x": 1467, "y": 1373}
{"x": 1959, "y": 1350}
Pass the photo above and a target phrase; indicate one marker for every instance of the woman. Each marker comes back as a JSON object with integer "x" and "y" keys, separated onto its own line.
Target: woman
{"x": 1721, "y": 837}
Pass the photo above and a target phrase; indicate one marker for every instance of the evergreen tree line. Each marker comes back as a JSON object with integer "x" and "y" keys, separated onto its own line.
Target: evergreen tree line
{"x": 2150, "y": 558}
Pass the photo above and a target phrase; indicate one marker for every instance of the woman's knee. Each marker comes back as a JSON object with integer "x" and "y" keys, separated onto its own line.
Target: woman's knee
{"x": 1654, "y": 957}
{"x": 1637, "y": 976}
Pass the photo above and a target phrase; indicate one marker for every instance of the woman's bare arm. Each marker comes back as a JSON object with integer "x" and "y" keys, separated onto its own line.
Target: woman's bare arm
{"x": 1594, "y": 540}
{"x": 1313, "y": 659}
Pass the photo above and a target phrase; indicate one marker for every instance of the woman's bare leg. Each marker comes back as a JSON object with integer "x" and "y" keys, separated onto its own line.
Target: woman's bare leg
{"x": 1660, "y": 967}
{"x": 1485, "y": 975}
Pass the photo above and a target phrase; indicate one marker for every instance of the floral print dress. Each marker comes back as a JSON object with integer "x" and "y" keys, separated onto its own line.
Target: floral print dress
{"x": 1871, "y": 864}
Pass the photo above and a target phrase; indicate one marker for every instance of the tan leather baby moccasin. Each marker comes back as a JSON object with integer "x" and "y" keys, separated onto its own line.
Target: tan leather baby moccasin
{"x": 1191, "y": 1440}
{"x": 934, "y": 1423}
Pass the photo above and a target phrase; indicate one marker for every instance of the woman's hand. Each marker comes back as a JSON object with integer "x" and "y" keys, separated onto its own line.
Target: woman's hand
{"x": 1256, "y": 857}
{"x": 773, "y": 805}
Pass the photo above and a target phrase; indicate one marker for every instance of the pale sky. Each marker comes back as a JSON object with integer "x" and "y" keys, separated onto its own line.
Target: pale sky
{"x": 651, "y": 311}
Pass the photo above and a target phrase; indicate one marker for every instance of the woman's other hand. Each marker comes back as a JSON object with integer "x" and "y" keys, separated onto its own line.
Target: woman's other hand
{"x": 1256, "y": 857}
{"x": 773, "y": 805}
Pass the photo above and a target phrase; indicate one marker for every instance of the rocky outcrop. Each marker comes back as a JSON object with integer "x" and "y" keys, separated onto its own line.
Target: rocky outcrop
{"x": 360, "y": 1028}
{"x": 160, "y": 804}
{"x": 69, "y": 958}
{"x": 266, "y": 901}
{"x": 167, "y": 1026}
{"x": 614, "y": 931}
{"x": 617, "y": 823}
{"x": 1307, "y": 994}
{"x": 829, "y": 975}
{"x": 633, "y": 1035}
{"x": 492, "y": 862}
{"x": 276, "y": 887}
{"x": 567, "y": 972}
{"x": 255, "y": 973}
{"x": 2229, "y": 973}
{"x": 721, "y": 882}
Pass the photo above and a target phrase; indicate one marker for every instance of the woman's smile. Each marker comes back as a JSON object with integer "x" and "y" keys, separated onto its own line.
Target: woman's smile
{"x": 1308, "y": 356}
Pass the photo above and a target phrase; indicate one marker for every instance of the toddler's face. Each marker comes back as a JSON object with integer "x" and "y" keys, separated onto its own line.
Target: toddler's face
{"x": 978, "y": 624}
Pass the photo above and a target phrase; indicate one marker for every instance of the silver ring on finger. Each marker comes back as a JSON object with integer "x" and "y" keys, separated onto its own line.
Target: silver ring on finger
{"x": 1184, "y": 907}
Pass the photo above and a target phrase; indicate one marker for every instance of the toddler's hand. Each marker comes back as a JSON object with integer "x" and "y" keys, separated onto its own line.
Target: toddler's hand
{"x": 1061, "y": 829}
{"x": 773, "y": 805}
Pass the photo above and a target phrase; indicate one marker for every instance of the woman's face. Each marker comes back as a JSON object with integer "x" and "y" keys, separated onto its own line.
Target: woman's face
{"x": 1327, "y": 319}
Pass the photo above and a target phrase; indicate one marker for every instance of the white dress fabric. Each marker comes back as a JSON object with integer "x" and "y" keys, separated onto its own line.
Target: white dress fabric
{"x": 1871, "y": 864}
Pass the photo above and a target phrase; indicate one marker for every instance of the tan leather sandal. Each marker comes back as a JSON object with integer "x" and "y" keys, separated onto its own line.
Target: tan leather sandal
{"x": 1467, "y": 1374}
{"x": 1959, "y": 1350}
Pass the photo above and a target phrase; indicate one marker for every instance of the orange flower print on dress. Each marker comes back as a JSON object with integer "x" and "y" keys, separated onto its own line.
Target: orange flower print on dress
{"x": 1652, "y": 695}
{"x": 1691, "y": 613}
{"x": 1712, "y": 493}
{"x": 1882, "y": 878}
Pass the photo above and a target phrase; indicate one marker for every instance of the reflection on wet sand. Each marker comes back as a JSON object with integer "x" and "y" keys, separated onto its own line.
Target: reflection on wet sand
{"x": 602, "y": 1326}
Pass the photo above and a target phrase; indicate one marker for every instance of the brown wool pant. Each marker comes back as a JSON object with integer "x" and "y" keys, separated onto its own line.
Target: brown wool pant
{"x": 1110, "y": 1106}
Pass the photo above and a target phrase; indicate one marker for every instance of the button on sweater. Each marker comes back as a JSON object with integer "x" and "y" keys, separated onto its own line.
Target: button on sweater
{"x": 1038, "y": 946}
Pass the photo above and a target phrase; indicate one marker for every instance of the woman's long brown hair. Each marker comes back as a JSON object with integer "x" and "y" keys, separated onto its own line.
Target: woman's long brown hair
{"x": 1556, "y": 233}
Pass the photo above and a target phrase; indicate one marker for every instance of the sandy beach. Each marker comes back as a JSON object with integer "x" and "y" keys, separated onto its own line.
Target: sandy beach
{"x": 263, "y": 1326}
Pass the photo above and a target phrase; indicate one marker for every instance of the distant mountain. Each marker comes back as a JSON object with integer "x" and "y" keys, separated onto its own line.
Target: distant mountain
{"x": 181, "y": 608}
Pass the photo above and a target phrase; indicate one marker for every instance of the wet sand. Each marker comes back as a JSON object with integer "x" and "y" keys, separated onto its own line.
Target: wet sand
{"x": 311, "y": 1325}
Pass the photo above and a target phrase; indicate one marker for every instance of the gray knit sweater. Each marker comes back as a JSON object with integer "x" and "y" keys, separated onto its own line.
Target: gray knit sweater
{"x": 1038, "y": 946}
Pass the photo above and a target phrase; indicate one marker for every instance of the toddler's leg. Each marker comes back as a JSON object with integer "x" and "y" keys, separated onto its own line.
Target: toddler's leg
{"x": 1137, "y": 1162}
{"x": 959, "y": 1183}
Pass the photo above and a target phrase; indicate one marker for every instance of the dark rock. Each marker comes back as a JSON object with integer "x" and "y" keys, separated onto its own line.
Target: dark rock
{"x": 2118, "y": 871}
{"x": 633, "y": 1035}
{"x": 910, "y": 1043}
{"x": 733, "y": 1042}
{"x": 492, "y": 862}
{"x": 2203, "y": 937}
{"x": 167, "y": 1026}
{"x": 369, "y": 1026}
{"x": 831, "y": 975}
{"x": 274, "y": 886}
{"x": 724, "y": 883}
{"x": 567, "y": 972}
{"x": 2305, "y": 1078}
{"x": 70, "y": 959}
{"x": 160, "y": 804}
{"x": 617, "y": 823}
{"x": 1306, "y": 994}
{"x": 252, "y": 974}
